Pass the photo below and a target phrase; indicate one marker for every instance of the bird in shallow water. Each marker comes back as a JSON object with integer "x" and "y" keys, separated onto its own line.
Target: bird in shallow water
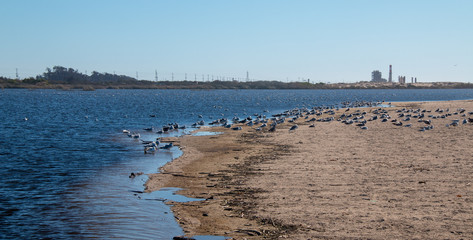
{"x": 167, "y": 146}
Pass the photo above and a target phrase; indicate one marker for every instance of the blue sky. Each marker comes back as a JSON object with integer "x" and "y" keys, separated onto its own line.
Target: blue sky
{"x": 325, "y": 41}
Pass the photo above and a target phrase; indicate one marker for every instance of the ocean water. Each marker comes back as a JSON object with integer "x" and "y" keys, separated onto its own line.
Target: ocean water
{"x": 65, "y": 163}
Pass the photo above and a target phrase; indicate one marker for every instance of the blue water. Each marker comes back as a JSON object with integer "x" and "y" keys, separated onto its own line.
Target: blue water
{"x": 65, "y": 169}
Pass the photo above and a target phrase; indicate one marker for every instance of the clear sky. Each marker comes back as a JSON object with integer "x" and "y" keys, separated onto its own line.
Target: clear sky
{"x": 323, "y": 40}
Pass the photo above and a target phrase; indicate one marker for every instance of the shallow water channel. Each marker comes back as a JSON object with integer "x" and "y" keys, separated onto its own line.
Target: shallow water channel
{"x": 113, "y": 204}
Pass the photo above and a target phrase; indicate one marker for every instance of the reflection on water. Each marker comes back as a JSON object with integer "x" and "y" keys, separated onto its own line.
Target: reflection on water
{"x": 170, "y": 194}
{"x": 114, "y": 199}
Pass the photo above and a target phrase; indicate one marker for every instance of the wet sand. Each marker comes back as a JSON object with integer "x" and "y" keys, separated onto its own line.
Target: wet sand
{"x": 332, "y": 181}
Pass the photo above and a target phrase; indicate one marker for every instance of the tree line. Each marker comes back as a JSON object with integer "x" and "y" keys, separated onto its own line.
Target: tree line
{"x": 62, "y": 75}
{"x": 68, "y": 78}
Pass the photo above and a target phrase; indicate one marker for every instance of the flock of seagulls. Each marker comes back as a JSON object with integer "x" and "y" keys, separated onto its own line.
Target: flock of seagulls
{"x": 149, "y": 146}
{"x": 350, "y": 113}
{"x": 358, "y": 117}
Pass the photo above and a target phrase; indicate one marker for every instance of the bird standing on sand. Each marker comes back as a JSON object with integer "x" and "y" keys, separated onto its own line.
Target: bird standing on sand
{"x": 293, "y": 128}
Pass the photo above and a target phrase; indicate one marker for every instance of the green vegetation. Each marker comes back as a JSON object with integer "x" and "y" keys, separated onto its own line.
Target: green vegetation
{"x": 67, "y": 78}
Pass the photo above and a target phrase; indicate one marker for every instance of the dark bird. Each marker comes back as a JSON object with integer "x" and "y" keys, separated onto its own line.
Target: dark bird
{"x": 293, "y": 127}
{"x": 361, "y": 124}
{"x": 167, "y": 146}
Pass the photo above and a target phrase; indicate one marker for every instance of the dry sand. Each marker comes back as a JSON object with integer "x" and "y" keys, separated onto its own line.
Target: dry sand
{"x": 333, "y": 181}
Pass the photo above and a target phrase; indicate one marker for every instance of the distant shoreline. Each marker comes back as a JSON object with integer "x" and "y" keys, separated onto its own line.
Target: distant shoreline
{"x": 68, "y": 78}
{"x": 269, "y": 85}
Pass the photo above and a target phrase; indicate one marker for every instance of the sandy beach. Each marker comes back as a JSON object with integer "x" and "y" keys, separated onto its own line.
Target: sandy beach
{"x": 333, "y": 180}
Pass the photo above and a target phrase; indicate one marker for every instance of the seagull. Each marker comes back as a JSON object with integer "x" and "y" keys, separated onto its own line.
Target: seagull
{"x": 398, "y": 123}
{"x": 167, "y": 146}
{"x": 293, "y": 127}
{"x": 151, "y": 147}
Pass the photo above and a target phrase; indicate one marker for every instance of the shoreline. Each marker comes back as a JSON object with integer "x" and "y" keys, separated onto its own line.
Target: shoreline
{"x": 331, "y": 181}
{"x": 239, "y": 86}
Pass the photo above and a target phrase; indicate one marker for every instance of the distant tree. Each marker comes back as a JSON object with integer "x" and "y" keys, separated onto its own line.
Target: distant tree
{"x": 64, "y": 75}
{"x": 32, "y": 80}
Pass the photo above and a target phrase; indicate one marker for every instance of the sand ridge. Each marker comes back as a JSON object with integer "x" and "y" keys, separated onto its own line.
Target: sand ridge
{"x": 333, "y": 180}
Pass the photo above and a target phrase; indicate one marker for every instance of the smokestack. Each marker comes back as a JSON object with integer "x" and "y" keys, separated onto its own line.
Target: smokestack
{"x": 390, "y": 74}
